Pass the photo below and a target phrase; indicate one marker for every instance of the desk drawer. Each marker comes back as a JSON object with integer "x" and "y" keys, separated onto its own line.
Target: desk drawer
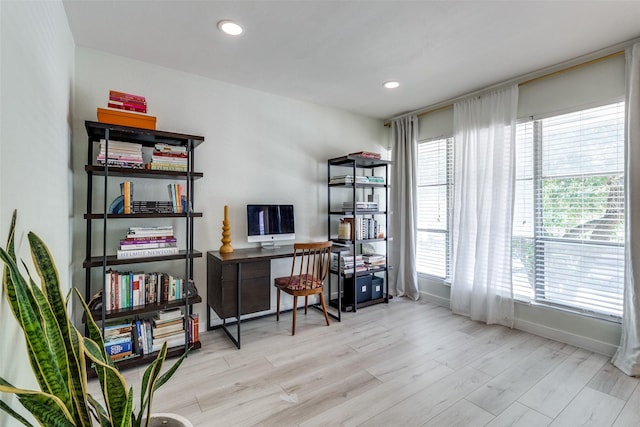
{"x": 222, "y": 282}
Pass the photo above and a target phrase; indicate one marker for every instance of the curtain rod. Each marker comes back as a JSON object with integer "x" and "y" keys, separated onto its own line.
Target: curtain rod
{"x": 532, "y": 77}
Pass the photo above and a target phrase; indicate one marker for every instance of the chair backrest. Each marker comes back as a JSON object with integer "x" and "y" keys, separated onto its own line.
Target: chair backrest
{"x": 311, "y": 259}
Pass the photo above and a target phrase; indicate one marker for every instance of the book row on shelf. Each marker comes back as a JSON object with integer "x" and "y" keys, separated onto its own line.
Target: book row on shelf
{"x": 163, "y": 157}
{"x": 127, "y": 339}
{"x": 125, "y": 203}
{"x": 364, "y": 228}
{"x": 134, "y": 289}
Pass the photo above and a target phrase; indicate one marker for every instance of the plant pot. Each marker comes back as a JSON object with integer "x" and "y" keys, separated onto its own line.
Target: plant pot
{"x": 168, "y": 420}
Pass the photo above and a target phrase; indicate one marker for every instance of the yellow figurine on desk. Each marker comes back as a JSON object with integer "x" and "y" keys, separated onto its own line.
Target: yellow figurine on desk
{"x": 226, "y": 233}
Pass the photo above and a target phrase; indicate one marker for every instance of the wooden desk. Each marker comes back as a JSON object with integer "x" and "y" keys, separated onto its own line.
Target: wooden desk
{"x": 239, "y": 283}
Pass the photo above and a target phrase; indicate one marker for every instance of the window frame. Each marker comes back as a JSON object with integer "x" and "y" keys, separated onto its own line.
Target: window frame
{"x": 449, "y": 185}
{"x": 538, "y": 239}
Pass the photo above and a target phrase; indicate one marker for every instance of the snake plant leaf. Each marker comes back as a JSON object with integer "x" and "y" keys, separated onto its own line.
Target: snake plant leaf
{"x": 10, "y": 239}
{"x": 43, "y": 362}
{"x": 150, "y": 381}
{"x": 47, "y": 409}
{"x": 112, "y": 383}
{"x": 167, "y": 375}
{"x": 52, "y": 334}
{"x": 14, "y": 414}
{"x": 95, "y": 333}
{"x": 48, "y": 273}
{"x": 9, "y": 290}
{"x": 128, "y": 410}
{"x": 100, "y": 413}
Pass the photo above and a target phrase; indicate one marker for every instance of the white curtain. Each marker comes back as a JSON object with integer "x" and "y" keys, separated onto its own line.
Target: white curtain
{"x": 627, "y": 358}
{"x": 484, "y": 180}
{"x": 402, "y": 254}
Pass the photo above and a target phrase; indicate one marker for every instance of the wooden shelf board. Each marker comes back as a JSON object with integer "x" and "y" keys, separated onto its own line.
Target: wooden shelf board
{"x": 360, "y": 162}
{"x": 139, "y": 173}
{"x": 142, "y": 215}
{"x": 148, "y": 137}
{"x": 148, "y": 308}
{"x": 147, "y": 358}
{"x": 113, "y": 259}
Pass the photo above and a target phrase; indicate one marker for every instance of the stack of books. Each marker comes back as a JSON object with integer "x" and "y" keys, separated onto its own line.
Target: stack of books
{"x": 359, "y": 179}
{"x": 121, "y": 154}
{"x": 152, "y": 206}
{"x": 169, "y": 158}
{"x": 348, "y": 263}
{"x": 366, "y": 155}
{"x": 375, "y": 179}
{"x": 118, "y": 341}
{"x": 360, "y": 206}
{"x": 348, "y": 179}
{"x": 147, "y": 242}
{"x": 374, "y": 261}
{"x": 168, "y": 326}
{"x": 127, "y": 101}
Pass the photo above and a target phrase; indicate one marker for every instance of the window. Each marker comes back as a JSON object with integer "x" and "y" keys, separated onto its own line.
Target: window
{"x": 568, "y": 229}
{"x": 435, "y": 186}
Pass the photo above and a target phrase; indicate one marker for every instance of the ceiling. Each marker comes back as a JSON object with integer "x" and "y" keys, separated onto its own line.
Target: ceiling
{"x": 338, "y": 53}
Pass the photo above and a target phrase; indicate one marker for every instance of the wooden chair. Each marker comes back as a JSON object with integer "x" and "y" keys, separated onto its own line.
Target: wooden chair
{"x": 308, "y": 270}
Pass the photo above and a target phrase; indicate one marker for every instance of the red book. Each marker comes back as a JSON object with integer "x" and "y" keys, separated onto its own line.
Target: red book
{"x": 127, "y": 108}
{"x": 128, "y": 104}
{"x": 130, "y": 101}
{"x": 125, "y": 95}
{"x": 169, "y": 154}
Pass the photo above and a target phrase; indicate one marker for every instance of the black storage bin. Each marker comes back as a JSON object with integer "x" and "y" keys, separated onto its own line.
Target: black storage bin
{"x": 377, "y": 287}
{"x": 362, "y": 290}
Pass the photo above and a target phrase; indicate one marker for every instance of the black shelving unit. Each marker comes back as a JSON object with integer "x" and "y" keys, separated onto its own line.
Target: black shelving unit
{"x": 98, "y": 216}
{"x": 347, "y": 297}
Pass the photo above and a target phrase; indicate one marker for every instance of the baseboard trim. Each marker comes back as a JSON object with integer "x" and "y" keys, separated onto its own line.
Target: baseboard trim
{"x": 444, "y": 302}
{"x": 544, "y": 331}
{"x": 581, "y": 341}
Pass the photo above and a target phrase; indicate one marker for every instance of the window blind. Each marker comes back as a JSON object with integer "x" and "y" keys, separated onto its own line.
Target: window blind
{"x": 435, "y": 176}
{"x": 575, "y": 255}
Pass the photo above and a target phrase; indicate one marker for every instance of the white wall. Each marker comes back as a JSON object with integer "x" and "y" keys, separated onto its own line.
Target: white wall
{"x": 259, "y": 148}
{"x": 36, "y": 84}
{"x": 599, "y": 82}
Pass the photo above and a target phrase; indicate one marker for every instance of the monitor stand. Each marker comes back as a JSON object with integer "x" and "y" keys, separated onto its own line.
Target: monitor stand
{"x": 269, "y": 245}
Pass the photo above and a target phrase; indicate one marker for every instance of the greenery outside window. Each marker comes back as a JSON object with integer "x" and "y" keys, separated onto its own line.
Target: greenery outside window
{"x": 568, "y": 229}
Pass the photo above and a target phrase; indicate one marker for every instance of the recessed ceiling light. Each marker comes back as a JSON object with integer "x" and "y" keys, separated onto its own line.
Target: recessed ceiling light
{"x": 392, "y": 84}
{"x": 230, "y": 27}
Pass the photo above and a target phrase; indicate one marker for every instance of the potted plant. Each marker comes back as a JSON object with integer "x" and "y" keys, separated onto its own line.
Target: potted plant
{"x": 58, "y": 354}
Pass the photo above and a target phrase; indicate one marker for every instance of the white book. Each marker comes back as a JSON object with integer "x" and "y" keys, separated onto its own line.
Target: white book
{"x": 141, "y": 253}
{"x": 175, "y": 342}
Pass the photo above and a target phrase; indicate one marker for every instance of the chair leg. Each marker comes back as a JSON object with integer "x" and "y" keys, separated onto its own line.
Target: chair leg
{"x": 324, "y": 309}
{"x": 306, "y": 303}
{"x": 295, "y": 310}
{"x": 278, "y": 307}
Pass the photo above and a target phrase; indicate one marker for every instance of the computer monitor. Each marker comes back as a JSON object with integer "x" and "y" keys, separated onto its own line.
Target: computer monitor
{"x": 267, "y": 224}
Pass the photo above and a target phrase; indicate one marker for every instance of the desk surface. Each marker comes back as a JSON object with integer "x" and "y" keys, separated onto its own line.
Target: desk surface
{"x": 253, "y": 254}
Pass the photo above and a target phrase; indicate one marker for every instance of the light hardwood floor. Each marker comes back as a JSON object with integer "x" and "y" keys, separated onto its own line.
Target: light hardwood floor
{"x": 402, "y": 364}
